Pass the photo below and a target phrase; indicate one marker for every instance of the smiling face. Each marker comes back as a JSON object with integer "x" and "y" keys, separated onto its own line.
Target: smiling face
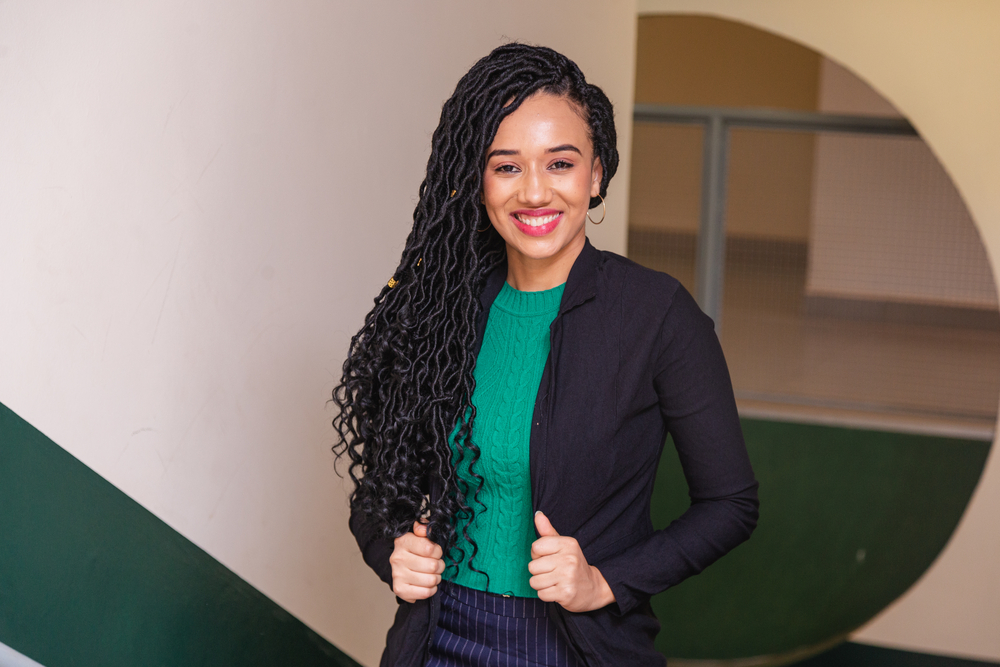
{"x": 540, "y": 175}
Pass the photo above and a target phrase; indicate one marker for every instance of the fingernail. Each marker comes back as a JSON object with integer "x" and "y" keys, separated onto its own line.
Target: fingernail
{"x": 537, "y": 512}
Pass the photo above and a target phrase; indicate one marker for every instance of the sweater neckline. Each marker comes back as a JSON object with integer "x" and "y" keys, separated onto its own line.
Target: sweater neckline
{"x": 529, "y": 304}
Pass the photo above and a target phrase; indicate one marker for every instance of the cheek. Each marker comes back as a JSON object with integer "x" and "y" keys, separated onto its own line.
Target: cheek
{"x": 583, "y": 188}
{"x": 489, "y": 191}
{"x": 494, "y": 194}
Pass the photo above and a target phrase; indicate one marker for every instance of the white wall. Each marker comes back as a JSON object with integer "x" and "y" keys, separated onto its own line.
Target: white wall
{"x": 198, "y": 202}
{"x": 938, "y": 62}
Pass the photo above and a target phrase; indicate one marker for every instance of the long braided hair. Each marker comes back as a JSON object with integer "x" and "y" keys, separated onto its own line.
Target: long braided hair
{"x": 408, "y": 379}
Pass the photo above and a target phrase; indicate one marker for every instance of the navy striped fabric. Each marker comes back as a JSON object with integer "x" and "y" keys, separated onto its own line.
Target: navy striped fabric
{"x": 477, "y": 629}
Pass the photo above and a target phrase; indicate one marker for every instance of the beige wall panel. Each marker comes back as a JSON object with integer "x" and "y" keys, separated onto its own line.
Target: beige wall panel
{"x": 939, "y": 64}
{"x": 841, "y": 91}
{"x": 702, "y": 60}
{"x": 665, "y": 188}
{"x": 695, "y": 60}
{"x": 770, "y": 184}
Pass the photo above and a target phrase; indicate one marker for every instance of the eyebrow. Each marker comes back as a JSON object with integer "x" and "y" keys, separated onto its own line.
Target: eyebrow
{"x": 555, "y": 149}
{"x": 565, "y": 147}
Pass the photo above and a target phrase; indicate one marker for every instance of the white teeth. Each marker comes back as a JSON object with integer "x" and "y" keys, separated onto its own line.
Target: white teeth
{"x": 537, "y": 221}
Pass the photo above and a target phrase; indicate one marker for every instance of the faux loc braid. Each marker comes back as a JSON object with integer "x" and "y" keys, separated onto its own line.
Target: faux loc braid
{"x": 408, "y": 379}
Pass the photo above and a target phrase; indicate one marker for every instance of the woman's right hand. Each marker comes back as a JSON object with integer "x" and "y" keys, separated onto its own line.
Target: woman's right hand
{"x": 417, "y": 564}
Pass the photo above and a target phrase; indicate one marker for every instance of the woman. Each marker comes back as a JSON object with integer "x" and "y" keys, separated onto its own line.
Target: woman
{"x": 506, "y": 401}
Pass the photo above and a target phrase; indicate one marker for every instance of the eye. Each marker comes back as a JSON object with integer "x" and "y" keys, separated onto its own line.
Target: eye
{"x": 506, "y": 169}
{"x": 561, "y": 164}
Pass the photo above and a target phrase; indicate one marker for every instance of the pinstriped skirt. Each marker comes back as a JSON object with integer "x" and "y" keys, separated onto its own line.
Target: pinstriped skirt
{"x": 477, "y": 629}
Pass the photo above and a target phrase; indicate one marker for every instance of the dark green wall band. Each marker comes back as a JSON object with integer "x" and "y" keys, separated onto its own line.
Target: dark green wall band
{"x": 88, "y": 577}
{"x": 849, "y": 520}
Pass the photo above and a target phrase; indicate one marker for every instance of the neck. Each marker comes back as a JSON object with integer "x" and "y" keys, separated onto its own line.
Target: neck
{"x": 527, "y": 274}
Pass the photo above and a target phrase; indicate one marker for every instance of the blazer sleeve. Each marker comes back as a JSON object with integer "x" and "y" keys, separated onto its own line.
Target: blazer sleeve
{"x": 697, "y": 403}
{"x": 375, "y": 549}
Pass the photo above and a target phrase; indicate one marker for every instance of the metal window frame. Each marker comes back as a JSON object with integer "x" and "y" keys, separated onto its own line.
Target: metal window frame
{"x": 718, "y": 121}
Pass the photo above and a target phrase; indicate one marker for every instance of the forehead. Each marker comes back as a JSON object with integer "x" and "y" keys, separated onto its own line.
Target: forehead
{"x": 543, "y": 120}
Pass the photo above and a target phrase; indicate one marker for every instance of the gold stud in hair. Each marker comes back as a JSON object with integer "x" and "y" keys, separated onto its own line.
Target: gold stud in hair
{"x": 392, "y": 282}
{"x": 453, "y": 192}
{"x": 419, "y": 259}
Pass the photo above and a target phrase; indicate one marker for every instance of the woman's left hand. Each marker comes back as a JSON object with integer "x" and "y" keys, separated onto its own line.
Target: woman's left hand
{"x": 561, "y": 572}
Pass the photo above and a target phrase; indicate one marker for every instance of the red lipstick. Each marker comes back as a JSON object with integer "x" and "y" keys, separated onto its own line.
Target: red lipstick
{"x": 536, "y": 221}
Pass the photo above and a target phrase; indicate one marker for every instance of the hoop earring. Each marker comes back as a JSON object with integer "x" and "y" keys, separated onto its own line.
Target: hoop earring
{"x": 484, "y": 230}
{"x": 605, "y": 207}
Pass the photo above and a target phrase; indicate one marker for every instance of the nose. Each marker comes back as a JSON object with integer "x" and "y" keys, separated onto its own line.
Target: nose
{"x": 535, "y": 189}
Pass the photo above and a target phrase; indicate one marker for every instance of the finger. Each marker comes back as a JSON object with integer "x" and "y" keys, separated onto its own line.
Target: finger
{"x": 542, "y": 565}
{"x": 418, "y": 579}
{"x": 546, "y": 596}
{"x": 420, "y": 546}
{"x": 430, "y": 549}
{"x": 413, "y": 593}
{"x": 419, "y": 529}
{"x": 546, "y": 546}
{"x": 544, "y": 526}
{"x": 540, "y": 582}
{"x": 405, "y": 561}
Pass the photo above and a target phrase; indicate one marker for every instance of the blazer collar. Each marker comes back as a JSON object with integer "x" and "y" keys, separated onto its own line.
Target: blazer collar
{"x": 581, "y": 286}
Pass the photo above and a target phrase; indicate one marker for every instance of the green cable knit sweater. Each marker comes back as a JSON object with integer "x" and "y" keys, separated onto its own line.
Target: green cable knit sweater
{"x": 508, "y": 372}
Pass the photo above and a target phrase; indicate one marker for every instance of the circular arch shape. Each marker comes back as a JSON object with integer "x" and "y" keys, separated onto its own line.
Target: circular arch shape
{"x": 938, "y": 64}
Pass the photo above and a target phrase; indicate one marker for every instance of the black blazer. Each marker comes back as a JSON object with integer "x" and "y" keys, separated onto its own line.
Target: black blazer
{"x": 632, "y": 358}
